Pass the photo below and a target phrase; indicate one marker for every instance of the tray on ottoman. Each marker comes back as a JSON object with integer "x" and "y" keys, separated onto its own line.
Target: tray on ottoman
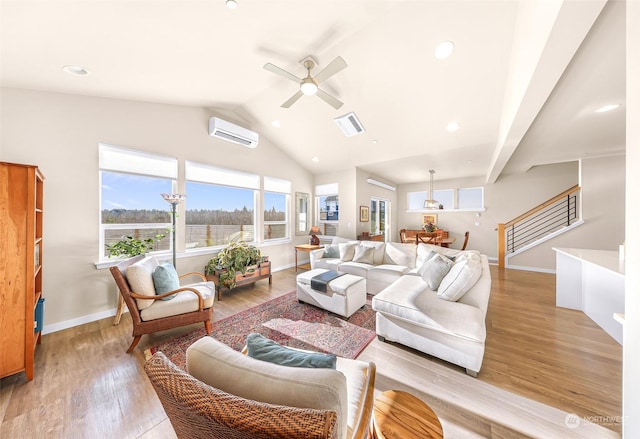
{"x": 345, "y": 294}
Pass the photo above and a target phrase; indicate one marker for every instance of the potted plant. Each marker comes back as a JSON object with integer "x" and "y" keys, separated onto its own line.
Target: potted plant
{"x": 129, "y": 246}
{"x": 235, "y": 257}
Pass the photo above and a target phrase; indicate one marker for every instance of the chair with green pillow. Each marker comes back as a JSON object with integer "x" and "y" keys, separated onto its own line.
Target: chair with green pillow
{"x": 273, "y": 391}
{"x": 157, "y": 301}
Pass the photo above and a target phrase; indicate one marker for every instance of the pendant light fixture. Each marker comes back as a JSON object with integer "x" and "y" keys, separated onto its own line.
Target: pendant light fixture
{"x": 430, "y": 203}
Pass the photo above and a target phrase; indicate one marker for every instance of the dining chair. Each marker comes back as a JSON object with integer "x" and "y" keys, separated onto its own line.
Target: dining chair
{"x": 434, "y": 238}
{"x": 466, "y": 239}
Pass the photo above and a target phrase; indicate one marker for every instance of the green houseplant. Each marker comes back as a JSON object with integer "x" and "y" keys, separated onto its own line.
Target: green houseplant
{"x": 130, "y": 246}
{"x": 235, "y": 257}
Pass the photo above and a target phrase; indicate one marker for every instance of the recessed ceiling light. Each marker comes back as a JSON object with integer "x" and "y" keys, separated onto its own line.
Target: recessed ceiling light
{"x": 453, "y": 126}
{"x": 76, "y": 70}
{"x": 374, "y": 141}
{"x": 606, "y": 108}
{"x": 444, "y": 50}
{"x": 232, "y": 4}
{"x": 315, "y": 159}
{"x": 275, "y": 123}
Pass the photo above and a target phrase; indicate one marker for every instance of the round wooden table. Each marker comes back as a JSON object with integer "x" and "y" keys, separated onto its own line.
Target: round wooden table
{"x": 398, "y": 414}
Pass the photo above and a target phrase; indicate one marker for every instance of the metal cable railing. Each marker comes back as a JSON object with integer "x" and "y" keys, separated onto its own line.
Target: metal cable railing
{"x": 544, "y": 219}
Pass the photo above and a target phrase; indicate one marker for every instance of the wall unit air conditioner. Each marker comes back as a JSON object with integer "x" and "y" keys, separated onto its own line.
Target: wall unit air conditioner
{"x": 233, "y": 133}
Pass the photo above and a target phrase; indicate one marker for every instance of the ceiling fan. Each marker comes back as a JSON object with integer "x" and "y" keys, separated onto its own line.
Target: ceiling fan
{"x": 309, "y": 84}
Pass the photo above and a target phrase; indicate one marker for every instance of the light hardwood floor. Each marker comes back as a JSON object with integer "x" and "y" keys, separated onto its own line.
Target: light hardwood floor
{"x": 541, "y": 363}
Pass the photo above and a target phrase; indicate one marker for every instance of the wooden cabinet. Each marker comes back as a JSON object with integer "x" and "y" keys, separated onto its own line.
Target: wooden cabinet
{"x": 21, "y": 257}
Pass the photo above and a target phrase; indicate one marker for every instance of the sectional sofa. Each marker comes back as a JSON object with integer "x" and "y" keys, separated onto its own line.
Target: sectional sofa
{"x": 430, "y": 298}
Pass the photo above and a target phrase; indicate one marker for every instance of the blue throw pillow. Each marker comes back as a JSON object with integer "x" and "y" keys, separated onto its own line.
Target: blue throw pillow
{"x": 165, "y": 279}
{"x": 262, "y": 348}
{"x": 331, "y": 251}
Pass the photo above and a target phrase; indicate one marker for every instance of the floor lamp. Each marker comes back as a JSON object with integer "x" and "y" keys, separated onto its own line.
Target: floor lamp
{"x": 174, "y": 200}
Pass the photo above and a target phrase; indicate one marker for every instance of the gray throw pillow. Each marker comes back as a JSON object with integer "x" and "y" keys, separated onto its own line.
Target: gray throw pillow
{"x": 165, "y": 279}
{"x": 364, "y": 255}
{"x": 331, "y": 251}
{"x": 435, "y": 269}
{"x": 261, "y": 348}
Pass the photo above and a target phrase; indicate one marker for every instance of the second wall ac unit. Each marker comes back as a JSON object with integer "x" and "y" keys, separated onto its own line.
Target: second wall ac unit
{"x": 233, "y": 133}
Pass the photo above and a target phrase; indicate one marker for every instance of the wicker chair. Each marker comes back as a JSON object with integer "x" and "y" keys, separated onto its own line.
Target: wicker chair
{"x": 194, "y": 304}
{"x": 197, "y": 410}
{"x": 230, "y": 395}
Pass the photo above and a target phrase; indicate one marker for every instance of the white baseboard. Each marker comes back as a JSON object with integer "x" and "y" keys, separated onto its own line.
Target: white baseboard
{"x": 60, "y": 326}
{"x": 536, "y": 269}
{"x": 48, "y": 329}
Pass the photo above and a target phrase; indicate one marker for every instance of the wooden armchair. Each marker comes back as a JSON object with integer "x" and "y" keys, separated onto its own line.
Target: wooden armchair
{"x": 149, "y": 313}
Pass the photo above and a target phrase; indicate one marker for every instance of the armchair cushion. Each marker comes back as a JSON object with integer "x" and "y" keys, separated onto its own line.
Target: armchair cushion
{"x": 213, "y": 363}
{"x": 261, "y": 348}
{"x": 184, "y": 302}
{"x": 165, "y": 279}
{"x": 140, "y": 278}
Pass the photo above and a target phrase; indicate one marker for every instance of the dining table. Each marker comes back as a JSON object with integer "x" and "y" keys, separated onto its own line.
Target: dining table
{"x": 424, "y": 237}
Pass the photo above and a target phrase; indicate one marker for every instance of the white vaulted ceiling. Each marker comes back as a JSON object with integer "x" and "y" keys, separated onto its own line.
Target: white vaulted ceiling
{"x": 523, "y": 81}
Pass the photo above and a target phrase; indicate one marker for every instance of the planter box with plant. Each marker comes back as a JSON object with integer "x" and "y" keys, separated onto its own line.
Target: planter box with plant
{"x": 237, "y": 264}
{"x": 129, "y": 246}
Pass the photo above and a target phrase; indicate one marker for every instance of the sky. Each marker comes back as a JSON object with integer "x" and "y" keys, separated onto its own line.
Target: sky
{"x": 126, "y": 191}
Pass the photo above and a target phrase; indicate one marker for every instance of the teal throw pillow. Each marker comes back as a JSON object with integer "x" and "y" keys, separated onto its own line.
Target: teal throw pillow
{"x": 261, "y": 348}
{"x": 165, "y": 279}
{"x": 331, "y": 251}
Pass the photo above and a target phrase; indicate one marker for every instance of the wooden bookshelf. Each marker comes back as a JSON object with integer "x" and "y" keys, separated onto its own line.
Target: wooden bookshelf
{"x": 21, "y": 227}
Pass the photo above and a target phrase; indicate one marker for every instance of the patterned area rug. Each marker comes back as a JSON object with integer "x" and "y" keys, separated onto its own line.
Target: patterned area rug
{"x": 289, "y": 323}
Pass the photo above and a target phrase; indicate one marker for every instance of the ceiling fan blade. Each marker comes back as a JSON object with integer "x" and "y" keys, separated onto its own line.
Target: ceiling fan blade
{"x": 334, "y": 67}
{"x": 278, "y": 71}
{"x": 329, "y": 99}
{"x": 292, "y": 99}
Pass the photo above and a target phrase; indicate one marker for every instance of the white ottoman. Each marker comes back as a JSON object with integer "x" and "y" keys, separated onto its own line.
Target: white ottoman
{"x": 345, "y": 294}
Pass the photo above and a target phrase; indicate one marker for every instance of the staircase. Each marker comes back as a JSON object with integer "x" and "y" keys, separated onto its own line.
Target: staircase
{"x": 545, "y": 221}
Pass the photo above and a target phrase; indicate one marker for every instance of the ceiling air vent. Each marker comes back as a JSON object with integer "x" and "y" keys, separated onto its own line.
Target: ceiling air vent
{"x": 349, "y": 124}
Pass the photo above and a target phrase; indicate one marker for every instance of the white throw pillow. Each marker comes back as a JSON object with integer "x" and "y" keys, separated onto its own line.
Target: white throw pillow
{"x": 461, "y": 278}
{"x": 347, "y": 250}
{"x": 364, "y": 255}
{"x": 378, "y": 254}
{"x": 140, "y": 278}
{"x": 434, "y": 270}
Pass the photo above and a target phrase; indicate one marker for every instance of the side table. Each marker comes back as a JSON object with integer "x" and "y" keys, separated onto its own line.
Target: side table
{"x": 398, "y": 414}
{"x": 305, "y": 248}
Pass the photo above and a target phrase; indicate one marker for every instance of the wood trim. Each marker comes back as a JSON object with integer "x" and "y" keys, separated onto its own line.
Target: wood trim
{"x": 539, "y": 207}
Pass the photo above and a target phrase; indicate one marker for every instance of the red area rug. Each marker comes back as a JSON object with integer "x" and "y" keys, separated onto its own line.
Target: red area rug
{"x": 289, "y": 323}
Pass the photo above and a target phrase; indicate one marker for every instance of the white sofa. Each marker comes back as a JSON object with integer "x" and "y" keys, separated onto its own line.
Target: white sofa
{"x": 447, "y": 322}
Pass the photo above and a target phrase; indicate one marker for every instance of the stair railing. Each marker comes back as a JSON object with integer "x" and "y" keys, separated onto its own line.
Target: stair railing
{"x": 555, "y": 213}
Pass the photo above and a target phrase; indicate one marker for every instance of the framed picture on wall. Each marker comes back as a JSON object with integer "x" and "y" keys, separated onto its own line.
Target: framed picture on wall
{"x": 430, "y": 218}
{"x": 364, "y": 214}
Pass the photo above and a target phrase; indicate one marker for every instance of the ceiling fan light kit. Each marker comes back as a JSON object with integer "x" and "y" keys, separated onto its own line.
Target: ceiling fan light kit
{"x": 309, "y": 84}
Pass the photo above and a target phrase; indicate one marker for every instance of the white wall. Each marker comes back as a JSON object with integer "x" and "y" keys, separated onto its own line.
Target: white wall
{"x": 603, "y": 200}
{"x": 60, "y": 133}
{"x": 505, "y": 199}
{"x": 631, "y": 347}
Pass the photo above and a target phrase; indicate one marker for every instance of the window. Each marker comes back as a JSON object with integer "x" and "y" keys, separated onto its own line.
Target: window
{"x": 467, "y": 199}
{"x": 220, "y": 205}
{"x": 378, "y": 216}
{"x": 471, "y": 198}
{"x": 328, "y": 208}
{"x": 276, "y": 208}
{"x": 130, "y": 202}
